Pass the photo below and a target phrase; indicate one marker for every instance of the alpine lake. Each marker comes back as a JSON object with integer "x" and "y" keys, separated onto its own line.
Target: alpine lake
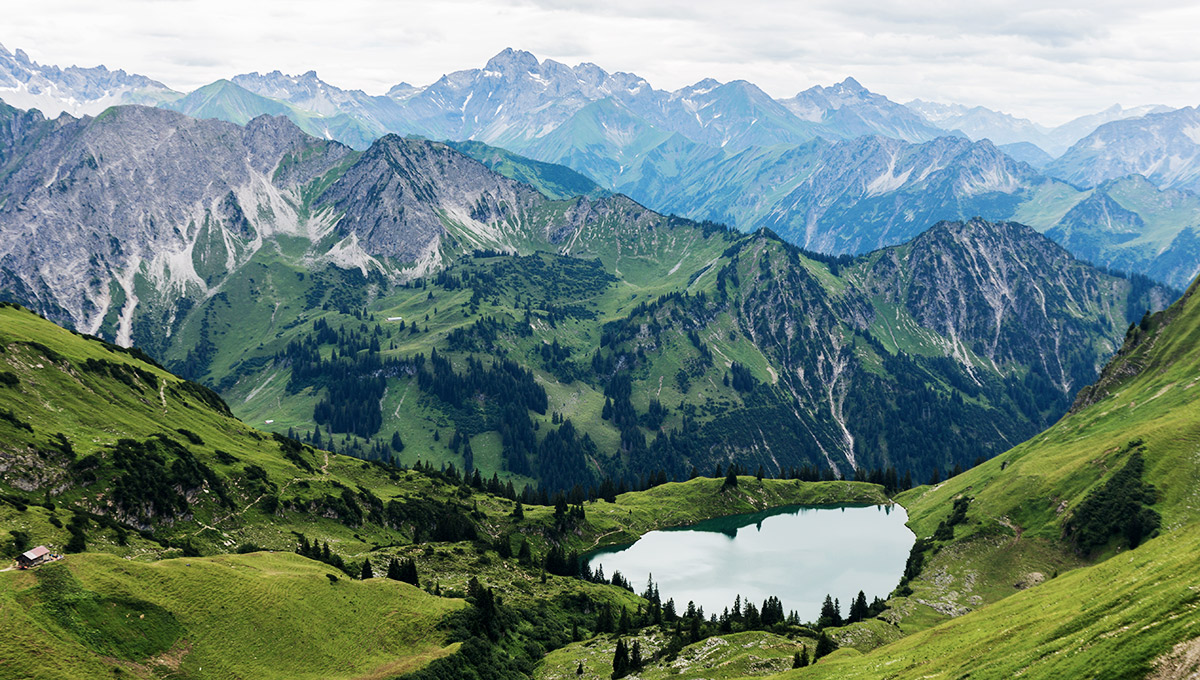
{"x": 799, "y": 554}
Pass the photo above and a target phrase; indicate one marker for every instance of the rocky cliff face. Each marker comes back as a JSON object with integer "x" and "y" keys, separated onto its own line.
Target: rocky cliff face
{"x": 1002, "y": 295}
{"x": 97, "y": 212}
{"x": 129, "y": 218}
{"x": 401, "y": 195}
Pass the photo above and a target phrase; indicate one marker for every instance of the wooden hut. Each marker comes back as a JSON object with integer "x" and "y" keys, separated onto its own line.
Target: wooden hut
{"x": 32, "y": 558}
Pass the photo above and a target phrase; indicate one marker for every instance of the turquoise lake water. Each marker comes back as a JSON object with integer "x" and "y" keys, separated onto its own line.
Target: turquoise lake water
{"x": 798, "y": 554}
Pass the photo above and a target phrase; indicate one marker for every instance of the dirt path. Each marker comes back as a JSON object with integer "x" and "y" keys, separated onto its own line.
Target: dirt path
{"x": 1015, "y": 527}
{"x": 596, "y": 542}
{"x": 239, "y": 513}
{"x": 402, "y": 398}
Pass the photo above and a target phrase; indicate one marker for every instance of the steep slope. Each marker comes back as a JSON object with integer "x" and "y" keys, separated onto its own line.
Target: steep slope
{"x": 1025, "y": 152}
{"x": 733, "y": 115}
{"x": 143, "y": 203}
{"x": 1131, "y": 225}
{"x": 1163, "y": 147}
{"x": 553, "y": 181}
{"x": 600, "y": 140}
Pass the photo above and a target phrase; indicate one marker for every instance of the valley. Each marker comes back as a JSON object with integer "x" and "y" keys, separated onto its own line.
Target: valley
{"x": 540, "y": 372}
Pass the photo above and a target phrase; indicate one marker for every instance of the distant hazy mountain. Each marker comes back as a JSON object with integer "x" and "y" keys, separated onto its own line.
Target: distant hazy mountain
{"x": 515, "y": 101}
{"x": 225, "y": 100}
{"x": 978, "y": 122}
{"x": 1163, "y": 147}
{"x": 512, "y": 100}
{"x": 729, "y": 152}
{"x": 851, "y": 110}
{"x": 1027, "y": 152}
{"x": 26, "y": 84}
{"x": 853, "y": 196}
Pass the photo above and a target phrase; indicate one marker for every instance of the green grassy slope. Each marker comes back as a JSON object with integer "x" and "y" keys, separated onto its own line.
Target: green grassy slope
{"x": 556, "y": 181}
{"x": 1112, "y": 620}
{"x": 73, "y": 408}
{"x": 258, "y": 615}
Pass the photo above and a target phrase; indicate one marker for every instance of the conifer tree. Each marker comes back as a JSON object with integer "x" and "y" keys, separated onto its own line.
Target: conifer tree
{"x": 624, "y": 624}
{"x": 366, "y": 570}
{"x": 408, "y": 572}
{"x": 859, "y": 610}
{"x": 731, "y": 479}
{"x": 620, "y": 660}
{"x": 825, "y": 645}
{"x": 604, "y": 620}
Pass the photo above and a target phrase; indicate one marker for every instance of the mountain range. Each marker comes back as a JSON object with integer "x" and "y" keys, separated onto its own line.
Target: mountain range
{"x": 803, "y": 166}
{"x": 1004, "y": 130}
{"x": 507, "y": 346}
{"x": 1162, "y": 147}
{"x": 78, "y": 91}
{"x": 516, "y": 98}
{"x": 231, "y": 253}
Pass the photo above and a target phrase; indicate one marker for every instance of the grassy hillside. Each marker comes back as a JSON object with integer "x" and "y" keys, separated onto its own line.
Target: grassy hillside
{"x": 1122, "y": 618}
{"x": 149, "y": 484}
{"x": 264, "y": 615}
{"x": 555, "y": 181}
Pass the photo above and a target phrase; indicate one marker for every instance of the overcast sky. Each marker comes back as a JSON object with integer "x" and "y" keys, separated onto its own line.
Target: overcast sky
{"x": 1025, "y": 57}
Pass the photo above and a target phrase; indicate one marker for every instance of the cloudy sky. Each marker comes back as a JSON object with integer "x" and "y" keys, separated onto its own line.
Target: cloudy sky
{"x": 1025, "y": 57}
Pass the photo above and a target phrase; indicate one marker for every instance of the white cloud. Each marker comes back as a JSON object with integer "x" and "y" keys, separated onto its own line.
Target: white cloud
{"x": 1050, "y": 63}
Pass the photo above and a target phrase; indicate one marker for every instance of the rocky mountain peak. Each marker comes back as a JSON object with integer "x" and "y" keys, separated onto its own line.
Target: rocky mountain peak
{"x": 851, "y": 85}
{"x": 510, "y": 61}
{"x": 704, "y": 85}
{"x": 402, "y": 90}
